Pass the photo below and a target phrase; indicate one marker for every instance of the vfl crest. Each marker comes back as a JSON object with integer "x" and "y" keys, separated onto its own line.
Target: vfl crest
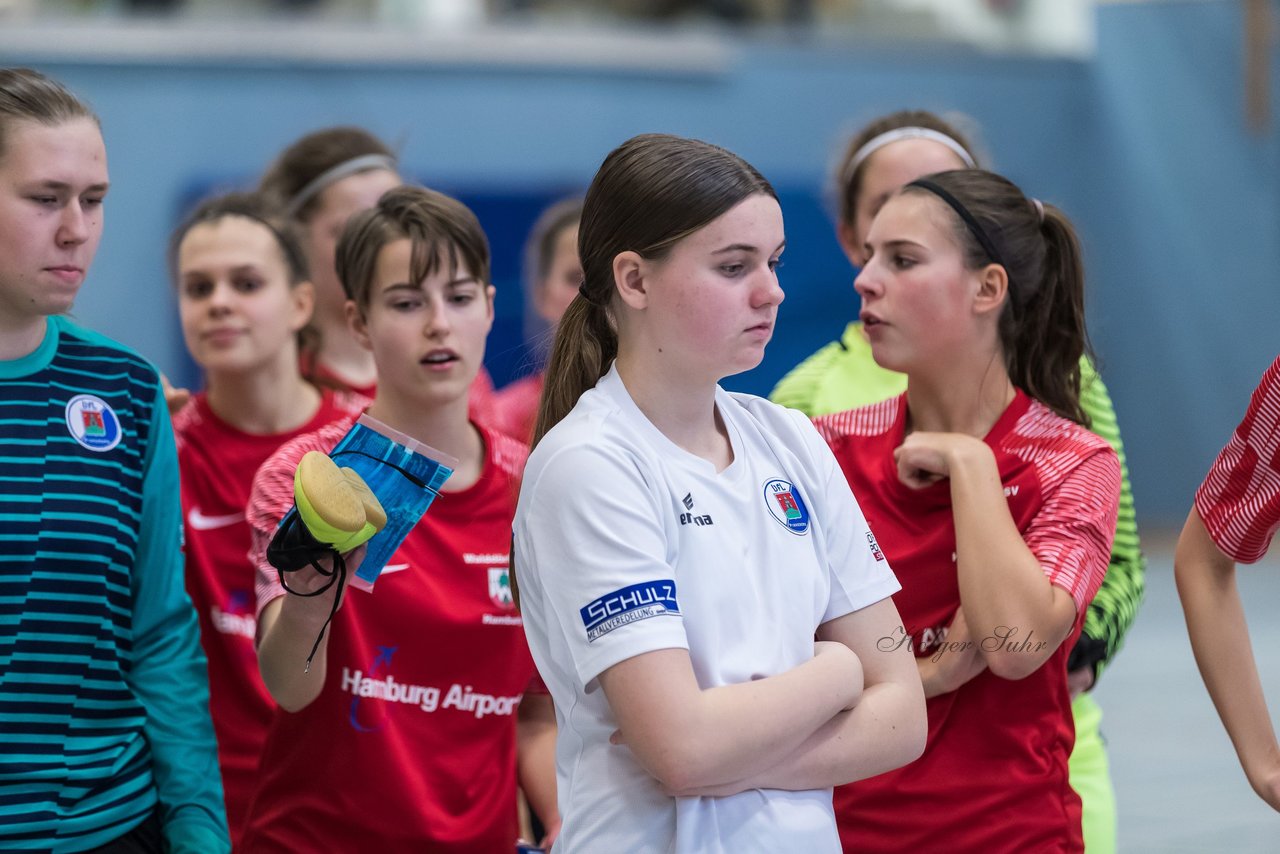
{"x": 787, "y": 506}
{"x": 500, "y": 587}
{"x": 92, "y": 423}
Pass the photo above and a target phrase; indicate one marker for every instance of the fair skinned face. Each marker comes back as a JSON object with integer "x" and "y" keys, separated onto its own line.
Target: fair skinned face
{"x": 427, "y": 338}
{"x": 710, "y": 305}
{"x": 334, "y": 206}
{"x": 558, "y": 288}
{"x": 921, "y": 306}
{"x": 883, "y": 174}
{"x": 238, "y": 310}
{"x": 53, "y": 179}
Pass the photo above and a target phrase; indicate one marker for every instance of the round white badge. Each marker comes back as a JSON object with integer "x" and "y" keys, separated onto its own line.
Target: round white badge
{"x": 93, "y": 423}
{"x": 786, "y": 505}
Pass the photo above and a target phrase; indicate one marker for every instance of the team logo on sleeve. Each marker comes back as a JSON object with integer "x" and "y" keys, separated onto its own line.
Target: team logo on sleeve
{"x": 629, "y": 605}
{"x": 93, "y": 423}
{"x": 786, "y": 505}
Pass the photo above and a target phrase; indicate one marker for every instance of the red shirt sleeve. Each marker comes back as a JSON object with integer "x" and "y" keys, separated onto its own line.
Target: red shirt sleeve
{"x": 272, "y": 497}
{"x": 1239, "y": 501}
{"x": 1071, "y": 535}
{"x": 270, "y": 500}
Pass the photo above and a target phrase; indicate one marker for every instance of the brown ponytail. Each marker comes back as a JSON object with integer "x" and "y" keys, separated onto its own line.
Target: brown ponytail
{"x": 1042, "y": 324}
{"x": 1049, "y": 337}
{"x": 585, "y": 345}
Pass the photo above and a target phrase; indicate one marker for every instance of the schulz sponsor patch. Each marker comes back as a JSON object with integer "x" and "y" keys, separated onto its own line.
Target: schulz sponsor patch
{"x": 629, "y": 605}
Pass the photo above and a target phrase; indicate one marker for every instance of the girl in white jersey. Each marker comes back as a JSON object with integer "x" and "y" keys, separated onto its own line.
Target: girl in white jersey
{"x": 679, "y": 547}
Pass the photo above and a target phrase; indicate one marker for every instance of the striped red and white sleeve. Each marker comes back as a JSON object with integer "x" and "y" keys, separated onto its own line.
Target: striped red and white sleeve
{"x": 272, "y": 498}
{"x": 1071, "y": 535}
{"x": 1239, "y": 501}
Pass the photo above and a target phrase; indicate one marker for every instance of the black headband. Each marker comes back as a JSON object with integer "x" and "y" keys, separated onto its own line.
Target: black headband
{"x": 963, "y": 213}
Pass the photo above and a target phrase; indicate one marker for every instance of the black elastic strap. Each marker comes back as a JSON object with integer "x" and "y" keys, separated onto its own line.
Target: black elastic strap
{"x": 410, "y": 476}
{"x": 313, "y": 551}
{"x": 961, "y": 211}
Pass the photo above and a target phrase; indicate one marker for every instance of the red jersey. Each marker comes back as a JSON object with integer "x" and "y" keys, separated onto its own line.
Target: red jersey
{"x": 411, "y": 744}
{"x": 217, "y": 462}
{"x": 515, "y": 407}
{"x": 993, "y": 776}
{"x": 1239, "y": 502}
{"x": 480, "y": 397}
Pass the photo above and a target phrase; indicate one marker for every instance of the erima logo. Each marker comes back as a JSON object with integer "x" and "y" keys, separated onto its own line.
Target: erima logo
{"x": 629, "y": 605}
{"x": 690, "y": 518}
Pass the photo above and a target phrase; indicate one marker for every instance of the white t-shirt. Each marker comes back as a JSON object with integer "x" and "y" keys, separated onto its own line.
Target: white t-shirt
{"x": 625, "y": 544}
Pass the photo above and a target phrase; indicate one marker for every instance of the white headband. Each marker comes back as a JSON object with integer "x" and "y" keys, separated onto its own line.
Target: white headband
{"x": 363, "y": 163}
{"x": 878, "y": 142}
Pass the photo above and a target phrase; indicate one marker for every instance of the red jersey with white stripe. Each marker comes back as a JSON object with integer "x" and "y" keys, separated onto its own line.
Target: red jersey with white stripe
{"x": 411, "y": 744}
{"x": 1239, "y": 502}
{"x": 993, "y": 777}
{"x": 217, "y": 462}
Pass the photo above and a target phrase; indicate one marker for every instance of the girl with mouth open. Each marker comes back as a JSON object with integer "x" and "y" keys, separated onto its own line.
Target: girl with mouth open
{"x": 421, "y": 709}
{"x": 993, "y": 502}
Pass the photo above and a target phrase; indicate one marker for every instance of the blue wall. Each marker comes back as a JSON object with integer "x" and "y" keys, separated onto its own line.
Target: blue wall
{"x": 1144, "y": 145}
{"x": 1184, "y": 236}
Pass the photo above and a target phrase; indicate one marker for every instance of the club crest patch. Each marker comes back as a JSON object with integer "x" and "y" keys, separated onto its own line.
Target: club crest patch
{"x": 787, "y": 506}
{"x": 93, "y": 423}
{"x": 500, "y": 587}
